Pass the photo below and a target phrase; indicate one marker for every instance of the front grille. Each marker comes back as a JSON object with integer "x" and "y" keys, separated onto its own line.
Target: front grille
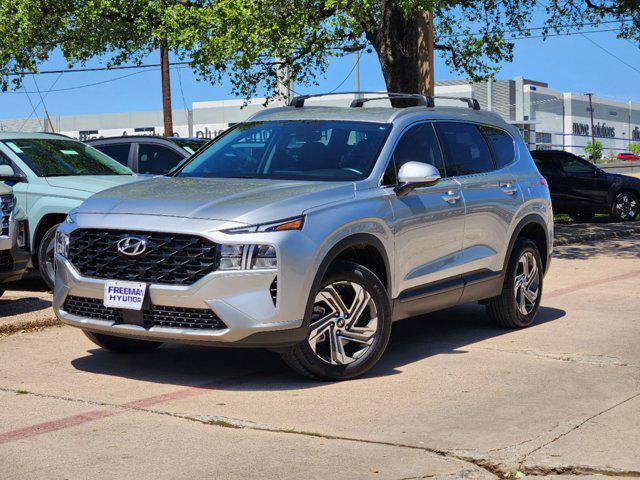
{"x": 6, "y": 260}
{"x": 156, "y": 316}
{"x": 176, "y": 317}
{"x": 169, "y": 258}
{"x": 6, "y": 207}
{"x": 91, "y": 308}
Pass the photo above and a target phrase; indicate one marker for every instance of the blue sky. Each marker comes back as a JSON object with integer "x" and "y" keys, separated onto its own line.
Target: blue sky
{"x": 567, "y": 63}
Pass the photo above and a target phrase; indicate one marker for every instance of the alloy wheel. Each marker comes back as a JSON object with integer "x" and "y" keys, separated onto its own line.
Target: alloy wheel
{"x": 49, "y": 265}
{"x": 626, "y": 207}
{"x": 526, "y": 283}
{"x": 344, "y": 323}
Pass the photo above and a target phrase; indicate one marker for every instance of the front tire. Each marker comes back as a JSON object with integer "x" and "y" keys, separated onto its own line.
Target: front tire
{"x": 518, "y": 304}
{"x": 349, "y": 326}
{"x": 46, "y": 250}
{"x": 625, "y": 207}
{"x": 121, "y": 344}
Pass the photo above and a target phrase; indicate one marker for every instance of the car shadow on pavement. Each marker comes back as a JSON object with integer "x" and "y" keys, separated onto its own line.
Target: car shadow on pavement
{"x": 18, "y": 306}
{"x": 628, "y": 247}
{"x": 446, "y": 332}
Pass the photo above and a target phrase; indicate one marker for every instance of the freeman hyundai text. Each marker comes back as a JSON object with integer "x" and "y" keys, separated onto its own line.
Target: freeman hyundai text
{"x": 309, "y": 230}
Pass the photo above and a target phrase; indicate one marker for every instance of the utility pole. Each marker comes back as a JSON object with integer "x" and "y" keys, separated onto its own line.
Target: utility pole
{"x": 356, "y": 73}
{"x": 593, "y": 130}
{"x": 166, "y": 92}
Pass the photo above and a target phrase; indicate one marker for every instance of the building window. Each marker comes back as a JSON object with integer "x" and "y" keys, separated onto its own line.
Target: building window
{"x": 543, "y": 137}
{"x": 613, "y": 114}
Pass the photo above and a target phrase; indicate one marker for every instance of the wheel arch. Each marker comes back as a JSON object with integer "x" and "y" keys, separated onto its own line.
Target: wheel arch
{"x": 45, "y": 223}
{"x": 349, "y": 249}
{"x": 533, "y": 227}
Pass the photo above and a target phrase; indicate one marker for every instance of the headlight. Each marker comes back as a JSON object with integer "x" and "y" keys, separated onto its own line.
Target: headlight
{"x": 62, "y": 243}
{"x": 71, "y": 217}
{"x": 248, "y": 257}
{"x": 295, "y": 223}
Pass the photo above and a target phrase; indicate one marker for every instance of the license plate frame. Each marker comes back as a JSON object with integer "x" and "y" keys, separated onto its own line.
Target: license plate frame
{"x": 124, "y": 294}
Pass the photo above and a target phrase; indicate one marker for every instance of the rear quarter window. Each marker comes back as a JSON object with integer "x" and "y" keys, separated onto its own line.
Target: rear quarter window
{"x": 501, "y": 144}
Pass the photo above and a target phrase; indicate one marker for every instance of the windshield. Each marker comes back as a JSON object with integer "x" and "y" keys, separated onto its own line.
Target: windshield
{"x": 189, "y": 144}
{"x": 59, "y": 158}
{"x": 292, "y": 150}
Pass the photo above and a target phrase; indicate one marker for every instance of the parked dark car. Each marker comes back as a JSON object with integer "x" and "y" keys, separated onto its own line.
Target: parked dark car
{"x": 580, "y": 189}
{"x": 146, "y": 154}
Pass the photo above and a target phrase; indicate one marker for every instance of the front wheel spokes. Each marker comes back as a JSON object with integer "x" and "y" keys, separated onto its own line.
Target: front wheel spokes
{"x": 362, "y": 335}
{"x": 332, "y": 298}
{"x": 360, "y": 302}
{"x": 336, "y": 347}
{"x": 318, "y": 328}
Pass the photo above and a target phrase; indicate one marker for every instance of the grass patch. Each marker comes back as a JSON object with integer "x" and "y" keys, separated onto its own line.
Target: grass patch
{"x": 21, "y": 392}
{"x": 223, "y": 423}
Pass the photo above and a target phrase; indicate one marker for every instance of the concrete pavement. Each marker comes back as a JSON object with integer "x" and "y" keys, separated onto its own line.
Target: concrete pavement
{"x": 453, "y": 397}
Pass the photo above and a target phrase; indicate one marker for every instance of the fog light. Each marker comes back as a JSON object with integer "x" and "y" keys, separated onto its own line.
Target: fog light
{"x": 263, "y": 257}
{"x": 21, "y": 238}
{"x": 62, "y": 243}
{"x": 231, "y": 257}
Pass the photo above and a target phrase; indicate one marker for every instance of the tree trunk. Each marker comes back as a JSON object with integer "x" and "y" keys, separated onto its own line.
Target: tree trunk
{"x": 166, "y": 92}
{"x": 405, "y": 50}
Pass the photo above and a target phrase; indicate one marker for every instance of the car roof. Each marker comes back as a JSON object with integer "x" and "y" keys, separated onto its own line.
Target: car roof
{"x": 377, "y": 114}
{"x": 150, "y": 138}
{"x": 8, "y": 135}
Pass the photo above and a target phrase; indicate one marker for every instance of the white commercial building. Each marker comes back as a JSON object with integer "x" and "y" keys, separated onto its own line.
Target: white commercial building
{"x": 546, "y": 117}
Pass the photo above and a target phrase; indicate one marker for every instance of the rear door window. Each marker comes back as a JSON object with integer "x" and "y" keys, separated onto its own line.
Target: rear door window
{"x": 156, "y": 159}
{"x": 465, "y": 149}
{"x": 119, "y": 152}
{"x": 501, "y": 144}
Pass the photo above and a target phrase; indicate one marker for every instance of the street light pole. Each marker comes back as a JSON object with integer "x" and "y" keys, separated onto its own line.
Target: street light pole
{"x": 593, "y": 131}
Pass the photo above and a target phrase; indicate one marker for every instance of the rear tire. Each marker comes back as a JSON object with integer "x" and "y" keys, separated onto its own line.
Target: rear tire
{"x": 121, "y": 344}
{"x": 349, "y": 326}
{"x": 46, "y": 256}
{"x": 517, "y": 305}
{"x": 625, "y": 207}
{"x": 582, "y": 216}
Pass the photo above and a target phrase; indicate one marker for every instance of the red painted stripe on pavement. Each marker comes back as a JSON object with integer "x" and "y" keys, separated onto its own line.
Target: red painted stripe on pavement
{"x": 75, "y": 420}
{"x": 54, "y": 425}
{"x": 593, "y": 283}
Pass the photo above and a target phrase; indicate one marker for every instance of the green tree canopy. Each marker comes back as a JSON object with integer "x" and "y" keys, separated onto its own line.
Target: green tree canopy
{"x": 252, "y": 41}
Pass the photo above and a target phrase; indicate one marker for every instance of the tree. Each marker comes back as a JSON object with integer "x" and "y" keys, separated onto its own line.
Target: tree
{"x": 596, "y": 154}
{"x": 634, "y": 147}
{"x": 252, "y": 41}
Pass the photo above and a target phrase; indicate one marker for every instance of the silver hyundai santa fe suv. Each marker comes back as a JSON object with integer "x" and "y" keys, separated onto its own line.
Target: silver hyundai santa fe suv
{"x": 309, "y": 230}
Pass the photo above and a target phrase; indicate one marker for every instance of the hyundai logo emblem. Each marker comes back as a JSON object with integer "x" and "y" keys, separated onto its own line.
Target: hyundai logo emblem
{"x": 132, "y": 246}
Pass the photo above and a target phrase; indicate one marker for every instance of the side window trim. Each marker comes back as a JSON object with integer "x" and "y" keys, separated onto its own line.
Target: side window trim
{"x": 397, "y": 141}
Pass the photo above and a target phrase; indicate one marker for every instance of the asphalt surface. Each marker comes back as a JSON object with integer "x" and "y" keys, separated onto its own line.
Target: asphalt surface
{"x": 453, "y": 397}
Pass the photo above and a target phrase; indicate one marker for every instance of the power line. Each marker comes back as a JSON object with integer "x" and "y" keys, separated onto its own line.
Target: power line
{"x": 92, "y": 69}
{"x": 570, "y": 25}
{"x": 348, "y": 74}
{"x": 36, "y": 107}
{"x": 611, "y": 54}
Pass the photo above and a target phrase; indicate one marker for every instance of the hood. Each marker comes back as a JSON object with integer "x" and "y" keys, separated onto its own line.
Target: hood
{"x": 227, "y": 199}
{"x": 90, "y": 183}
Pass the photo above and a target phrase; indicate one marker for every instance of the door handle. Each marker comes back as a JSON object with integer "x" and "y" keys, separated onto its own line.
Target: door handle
{"x": 451, "y": 197}
{"x": 509, "y": 189}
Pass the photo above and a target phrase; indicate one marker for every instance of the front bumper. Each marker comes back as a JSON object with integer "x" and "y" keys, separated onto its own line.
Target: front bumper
{"x": 241, "y": 299}
{"x": 13, "y": 258}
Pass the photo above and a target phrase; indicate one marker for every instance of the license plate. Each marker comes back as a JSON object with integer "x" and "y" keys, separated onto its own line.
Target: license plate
{"x": 127, "y": 295}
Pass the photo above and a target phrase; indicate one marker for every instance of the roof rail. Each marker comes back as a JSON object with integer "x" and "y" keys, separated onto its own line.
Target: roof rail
{"x": 298, "y": 102}
{"x": 427, "y": 101}
{"x": 471, "y": 102}
{"x": 420, "y": 99}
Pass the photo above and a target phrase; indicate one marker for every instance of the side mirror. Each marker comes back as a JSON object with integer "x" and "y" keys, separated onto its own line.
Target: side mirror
{"x": 415, "y": 175}
{"x": 7, "y": 174}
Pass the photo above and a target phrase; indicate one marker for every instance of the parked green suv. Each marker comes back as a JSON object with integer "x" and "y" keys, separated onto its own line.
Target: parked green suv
{"x": 50, "y": 175}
